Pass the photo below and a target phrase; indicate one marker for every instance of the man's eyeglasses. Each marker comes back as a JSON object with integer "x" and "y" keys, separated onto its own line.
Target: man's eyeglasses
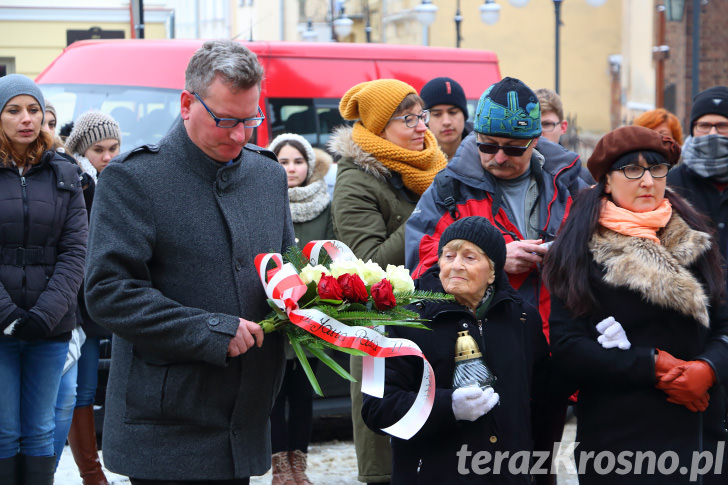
{"x": 634, "y": 172}
{"x": 703, "y": 127}
{"x": 509, "y": 150}
{"x": 233, "y": 122}
{"x": 412, "y": 120}
{"x": 549, "y": 126}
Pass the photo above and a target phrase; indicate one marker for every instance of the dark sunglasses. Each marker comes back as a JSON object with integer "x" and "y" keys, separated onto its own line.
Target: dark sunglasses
{"x": 509, "y": 150}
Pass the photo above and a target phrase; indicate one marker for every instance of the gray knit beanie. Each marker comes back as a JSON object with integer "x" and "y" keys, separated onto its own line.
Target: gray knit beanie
{"x": 15, "y": 85}
{"x": 310, "y": 155}
{"x": 90, "y": 128}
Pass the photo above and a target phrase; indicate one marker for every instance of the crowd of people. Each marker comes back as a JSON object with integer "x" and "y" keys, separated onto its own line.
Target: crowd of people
{"x": 600, "y": 285}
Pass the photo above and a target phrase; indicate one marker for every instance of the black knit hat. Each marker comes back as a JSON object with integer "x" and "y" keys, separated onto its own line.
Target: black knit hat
{"x": 444, "y": 90}
{"x": 479, "y": 231}
{"x": 711, "y": 101}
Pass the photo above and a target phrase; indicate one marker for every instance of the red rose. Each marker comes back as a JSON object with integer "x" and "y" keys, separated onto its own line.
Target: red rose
{"x": 353, "y": 287}
{"x": 383, "y": 295}
{"x": 329, "y": 288}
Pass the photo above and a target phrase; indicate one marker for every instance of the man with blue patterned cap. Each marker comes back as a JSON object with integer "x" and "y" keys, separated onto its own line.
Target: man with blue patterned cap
{"x": 522, "y": 183}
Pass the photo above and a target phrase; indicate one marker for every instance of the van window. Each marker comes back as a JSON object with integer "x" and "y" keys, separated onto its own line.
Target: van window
{"x": 144, "y": 114}
{"x": 314, "y": 119}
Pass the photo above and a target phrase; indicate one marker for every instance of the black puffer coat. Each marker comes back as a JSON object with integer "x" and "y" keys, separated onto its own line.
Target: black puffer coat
{"x": 515, "y": 350}
{"x": 43, "y": 231}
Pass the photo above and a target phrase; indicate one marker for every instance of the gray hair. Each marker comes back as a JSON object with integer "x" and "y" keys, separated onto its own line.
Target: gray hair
{"x": 230, "y": 60}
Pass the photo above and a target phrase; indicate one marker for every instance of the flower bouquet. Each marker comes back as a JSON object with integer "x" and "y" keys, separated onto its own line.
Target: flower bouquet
{"x": 325, "y": 298}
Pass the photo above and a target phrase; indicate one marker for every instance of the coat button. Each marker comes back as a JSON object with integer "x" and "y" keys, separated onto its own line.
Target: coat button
{"x": 493, "y": 439}
{"x": 225, "y": 177}
{"x": 238, "y": 266}
{"x": 213, "y": 321}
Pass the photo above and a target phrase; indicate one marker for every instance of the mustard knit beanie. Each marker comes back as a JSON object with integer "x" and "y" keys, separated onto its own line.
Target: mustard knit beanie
{"x": 374, "y": 102}
{"x": 90, "y": 128}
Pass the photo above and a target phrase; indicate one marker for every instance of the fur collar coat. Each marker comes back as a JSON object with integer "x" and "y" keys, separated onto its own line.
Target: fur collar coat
{"x": 660, "y": 273}
{"x": 655, "y": 292}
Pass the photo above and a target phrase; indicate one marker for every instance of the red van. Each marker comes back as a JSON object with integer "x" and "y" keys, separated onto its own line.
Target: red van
{"x": 138, "y": 82}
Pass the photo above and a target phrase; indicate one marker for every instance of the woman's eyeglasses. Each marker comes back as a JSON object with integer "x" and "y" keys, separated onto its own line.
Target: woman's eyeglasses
{"x": 634, "y": 172}
{"x": 509, "y": 150}
{"x": 233, "y": 122}
{"x": 412, "y": 120}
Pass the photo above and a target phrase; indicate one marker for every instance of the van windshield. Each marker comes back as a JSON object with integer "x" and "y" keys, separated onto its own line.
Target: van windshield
{"x": 144, "y": 114}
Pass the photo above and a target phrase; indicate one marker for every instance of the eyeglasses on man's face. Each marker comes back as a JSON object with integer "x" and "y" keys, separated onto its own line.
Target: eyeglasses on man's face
{"x": 509, "y": 150}
{"x": 704, "y": 127}
{"x": 233, "y": 122}
{"x": 634, "y": 172}
{"x": 548, "y": 126}
{"x": 412, "y": 120}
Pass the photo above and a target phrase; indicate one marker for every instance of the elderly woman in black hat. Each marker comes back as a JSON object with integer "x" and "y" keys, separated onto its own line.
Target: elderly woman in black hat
{"x": 638, "y": 321}
{"x": 469, "y": 421}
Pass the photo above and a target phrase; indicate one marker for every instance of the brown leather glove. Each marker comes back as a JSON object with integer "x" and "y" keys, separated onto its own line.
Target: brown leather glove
{"x": 688, "y": 383}
{"x": 664, "y": 362}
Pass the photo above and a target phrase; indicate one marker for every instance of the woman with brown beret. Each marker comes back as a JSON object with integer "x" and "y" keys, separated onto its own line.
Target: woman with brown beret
{"x": 638, "y": 321}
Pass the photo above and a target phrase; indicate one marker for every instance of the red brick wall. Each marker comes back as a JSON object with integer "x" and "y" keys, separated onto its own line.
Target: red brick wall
{"x": 713, "y": 67}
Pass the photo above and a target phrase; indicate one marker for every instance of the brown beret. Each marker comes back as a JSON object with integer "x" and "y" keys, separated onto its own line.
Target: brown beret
{"x": 628, "y": 139}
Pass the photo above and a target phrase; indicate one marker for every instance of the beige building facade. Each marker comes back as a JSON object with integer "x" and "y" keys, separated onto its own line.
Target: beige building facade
{"x": 606, "y": 73}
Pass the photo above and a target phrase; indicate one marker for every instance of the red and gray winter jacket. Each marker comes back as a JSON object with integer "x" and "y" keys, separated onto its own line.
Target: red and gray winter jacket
{"x": 476, "y": 193}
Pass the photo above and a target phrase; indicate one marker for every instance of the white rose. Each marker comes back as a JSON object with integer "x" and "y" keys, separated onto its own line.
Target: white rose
{"x": 400, "y": 278}
{"x": 312, "y": 273}
{"x": 344, "y": 266}
{"x": 371, "y": 272}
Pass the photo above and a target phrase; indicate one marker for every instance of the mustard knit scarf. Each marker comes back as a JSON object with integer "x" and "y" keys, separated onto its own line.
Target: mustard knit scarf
{"x": 417, "y": 168}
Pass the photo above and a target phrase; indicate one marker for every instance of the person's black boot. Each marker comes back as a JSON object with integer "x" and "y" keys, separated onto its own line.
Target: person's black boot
{"x": 9, "y": 470}
{"x": 37, "y": 470}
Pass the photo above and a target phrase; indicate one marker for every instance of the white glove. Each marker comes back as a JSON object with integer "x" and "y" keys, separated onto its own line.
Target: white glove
{"x": 470, "y": 403}
{"x": 612, "y": 334}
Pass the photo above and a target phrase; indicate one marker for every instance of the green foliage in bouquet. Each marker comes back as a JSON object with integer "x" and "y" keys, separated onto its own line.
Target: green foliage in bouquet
{"x": 354, "y": 293}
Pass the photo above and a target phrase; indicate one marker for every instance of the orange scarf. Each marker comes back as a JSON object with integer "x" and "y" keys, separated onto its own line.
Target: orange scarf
{"x": 417, "y": 168}
{"x": 636, "y": 224}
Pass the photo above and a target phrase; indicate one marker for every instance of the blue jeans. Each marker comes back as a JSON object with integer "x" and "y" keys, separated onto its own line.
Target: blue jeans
{"x": 64, "y": 410}
{"x": 30, "y": 373}
{"x": 88, "y": 372}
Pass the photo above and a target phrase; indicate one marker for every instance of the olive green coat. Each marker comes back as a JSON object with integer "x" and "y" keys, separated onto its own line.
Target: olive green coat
{"x": 370, "y": 204}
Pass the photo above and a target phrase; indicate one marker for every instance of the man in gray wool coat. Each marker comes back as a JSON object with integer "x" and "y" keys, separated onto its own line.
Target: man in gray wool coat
{"x": 174, "y": 231}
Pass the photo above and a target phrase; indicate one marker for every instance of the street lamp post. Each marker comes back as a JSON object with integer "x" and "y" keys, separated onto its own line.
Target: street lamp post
{"x": 425, "y": 13}
{"x": 557, "y": 30}
{"x": 557, "y": 43}
{"x": 458, "y": 21}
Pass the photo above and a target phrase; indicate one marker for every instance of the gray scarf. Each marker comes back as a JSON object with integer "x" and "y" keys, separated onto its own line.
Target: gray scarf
{"x": 707, "y": 156}
{"x": 309, "y": 201}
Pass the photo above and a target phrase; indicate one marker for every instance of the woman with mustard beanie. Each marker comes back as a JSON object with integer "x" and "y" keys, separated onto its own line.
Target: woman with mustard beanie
{"x": 387, "y": 160}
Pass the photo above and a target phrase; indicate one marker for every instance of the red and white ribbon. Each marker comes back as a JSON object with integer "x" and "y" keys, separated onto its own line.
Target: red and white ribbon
{"x": 284, "y": 287}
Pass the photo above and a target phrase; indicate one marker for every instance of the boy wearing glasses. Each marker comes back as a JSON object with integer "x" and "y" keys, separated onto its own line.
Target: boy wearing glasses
{"x": 503, "y": 171}
{"x": 702, "y": 177}
{"x": 176, "y": 227}
{"x": 553, "y": 124}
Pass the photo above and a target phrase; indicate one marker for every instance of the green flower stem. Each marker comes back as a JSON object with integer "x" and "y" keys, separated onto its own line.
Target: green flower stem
{"x": 272, "y": 324}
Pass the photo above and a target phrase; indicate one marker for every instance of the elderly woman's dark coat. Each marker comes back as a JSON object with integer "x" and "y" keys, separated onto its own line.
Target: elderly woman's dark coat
{"x": 656, "y": 294}
{"x": 514, "y": 348}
